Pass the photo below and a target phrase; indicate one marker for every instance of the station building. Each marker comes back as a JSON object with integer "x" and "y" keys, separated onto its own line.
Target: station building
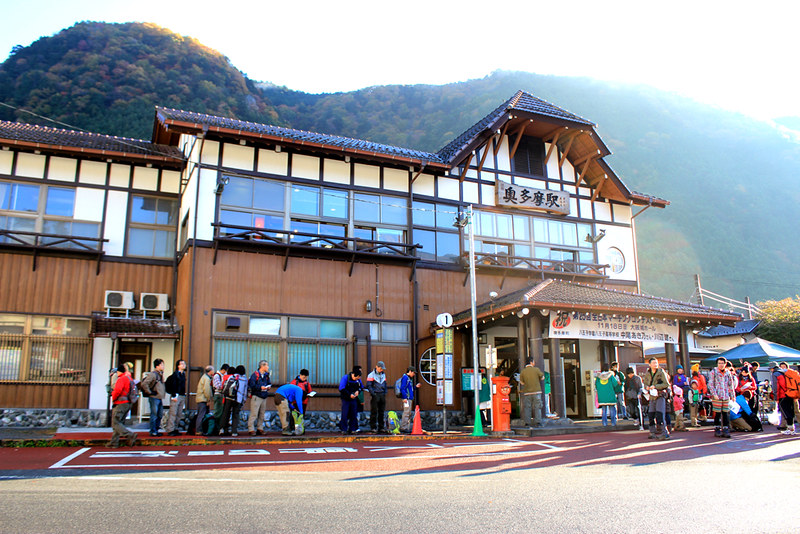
{"x": 225, "y": 241}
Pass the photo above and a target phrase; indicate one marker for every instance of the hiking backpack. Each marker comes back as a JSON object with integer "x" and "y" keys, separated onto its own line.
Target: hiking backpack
{"x": 133, "y": 392}
{"x": 231, "y": 388}
{"x": 792, "y": 381}
{"x": 398, "y": 387}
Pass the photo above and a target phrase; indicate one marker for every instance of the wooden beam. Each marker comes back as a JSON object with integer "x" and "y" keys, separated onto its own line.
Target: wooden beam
{"x": 553, "y": 134}
{"x": 598, "y": 189}
{"x": 466, "y": 166}
{"x": 552, "y": 147}
{"x": 521, "y": 131}
{"x": 583, "y": 171}
{"x": 485, "y": 153}
{"x": 500, "y": 139}
{"x": 566, "y": 150}
{"x": 422, "y": 168}
{"x": 588, "y": 156}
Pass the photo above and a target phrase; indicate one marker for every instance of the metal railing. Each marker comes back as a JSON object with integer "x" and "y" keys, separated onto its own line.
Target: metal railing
{"x": 303, "y": 239}
{"x": 51, "y": 241}
{"x": 57, "y": 359}
{"x": 575, "y": 268}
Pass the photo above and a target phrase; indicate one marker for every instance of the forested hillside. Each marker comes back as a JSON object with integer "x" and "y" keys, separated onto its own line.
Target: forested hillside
{"x": 732, "y": 180}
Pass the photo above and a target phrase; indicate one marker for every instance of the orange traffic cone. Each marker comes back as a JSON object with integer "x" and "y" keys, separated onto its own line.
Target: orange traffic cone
{"x": 417, "y": 430}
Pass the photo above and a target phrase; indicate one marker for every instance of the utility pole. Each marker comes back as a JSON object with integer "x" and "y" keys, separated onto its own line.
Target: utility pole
{"x": 698, "y": 289}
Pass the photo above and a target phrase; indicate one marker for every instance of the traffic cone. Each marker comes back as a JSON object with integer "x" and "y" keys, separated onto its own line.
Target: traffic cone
{"x": 417, "y": 430}
{"x": 477, "y": 428}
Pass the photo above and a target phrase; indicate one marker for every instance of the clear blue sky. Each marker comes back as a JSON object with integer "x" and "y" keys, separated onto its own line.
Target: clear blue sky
{"x": 740, "y": 56}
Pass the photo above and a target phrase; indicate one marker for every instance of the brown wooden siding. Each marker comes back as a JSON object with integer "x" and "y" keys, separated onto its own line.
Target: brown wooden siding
{"x": 69, "y": 286}
{"x": 26, "y": 395}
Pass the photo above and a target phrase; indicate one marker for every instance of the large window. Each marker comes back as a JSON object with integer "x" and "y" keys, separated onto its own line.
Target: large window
{"x": 307, "y": 209}
{"x": 434, "y": 230}
{"x": 319, "y": 345}
{"x": 562, "y": 240}
{"x": 151, "y": 232}
{"x": 36, "y": 348}
{"x": 43, "y": 210}
{"x": 503, "y": 234}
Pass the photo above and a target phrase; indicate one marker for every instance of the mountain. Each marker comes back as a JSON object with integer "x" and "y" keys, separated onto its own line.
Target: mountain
{"x": 731, "y": 179}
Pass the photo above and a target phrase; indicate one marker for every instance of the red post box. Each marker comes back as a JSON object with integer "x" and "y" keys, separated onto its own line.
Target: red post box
{"x": 501, "y": 404}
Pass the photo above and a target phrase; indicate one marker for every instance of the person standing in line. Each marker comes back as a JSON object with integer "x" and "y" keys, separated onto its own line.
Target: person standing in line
{"x": 695, "y": 398}
{"x": 259, "y": 385}
{"x": 633, "y": 392}
{"x": 234, "y": 400}
{"x": 349, "y": 387}
{"x": 176, "y": 388}
{"x": 301, "y": 381}
{"x": 622, "y": 412}
{"x": 531, "y": 392}
{"x": 606, "y": 385}
{"x": 377, "y": 387}
{"x": 407, "y": 390}
{"x": 218, "y": 382}
{"x": 204, "y": 396}
{"x": 120, "y": 397}
{"x": 721, "y": 387}
{"x": 682, "y": 381}
{"x": 656, "y": 385}
{"x": 153, "y": 388}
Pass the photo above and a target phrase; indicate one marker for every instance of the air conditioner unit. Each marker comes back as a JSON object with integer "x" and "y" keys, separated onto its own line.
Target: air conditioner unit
{"x": 154, "y": 302}
{"x": 121, "y": 300}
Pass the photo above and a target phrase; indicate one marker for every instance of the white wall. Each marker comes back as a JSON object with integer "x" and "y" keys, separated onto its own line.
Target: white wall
{"x": 101, "y": 364}
{"x": 620, "y": 237}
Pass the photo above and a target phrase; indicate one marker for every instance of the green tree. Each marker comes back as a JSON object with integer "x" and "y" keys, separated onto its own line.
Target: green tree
{"x": 780, "y": 321}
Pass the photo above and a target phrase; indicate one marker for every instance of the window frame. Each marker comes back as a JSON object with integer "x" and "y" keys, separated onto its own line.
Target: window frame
{"x": 169, "y": 228}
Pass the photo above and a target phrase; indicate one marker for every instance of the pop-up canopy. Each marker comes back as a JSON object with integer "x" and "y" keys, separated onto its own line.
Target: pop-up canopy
{"x": 759, "y": 350}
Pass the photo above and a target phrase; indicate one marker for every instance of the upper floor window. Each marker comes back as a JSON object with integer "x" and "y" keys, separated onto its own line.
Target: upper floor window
{"x": 434, "y": 230}
{"x": 151, "y": 232}
{"x": 43, "y": 209}
{"x": 529, "y": 157}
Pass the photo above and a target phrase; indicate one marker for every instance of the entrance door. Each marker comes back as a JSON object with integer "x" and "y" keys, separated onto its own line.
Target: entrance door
{"x": 508, "y": 363}
{"x": 572, "y": 377}
{"x": 139, "y": 355}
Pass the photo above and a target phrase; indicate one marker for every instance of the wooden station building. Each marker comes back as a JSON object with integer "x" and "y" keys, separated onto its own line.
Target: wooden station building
{"x": 225, "y": 241}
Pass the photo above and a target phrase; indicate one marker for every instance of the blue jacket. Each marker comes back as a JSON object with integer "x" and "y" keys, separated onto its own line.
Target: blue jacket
{"x": 293, "y": 395}
{"x": 407, "y": 387}
{"x": 256, "y": 381}
{"x": 348, "y": 386}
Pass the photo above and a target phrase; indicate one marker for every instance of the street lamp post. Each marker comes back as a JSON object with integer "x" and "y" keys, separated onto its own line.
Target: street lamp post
{"x": 477, "y": 429}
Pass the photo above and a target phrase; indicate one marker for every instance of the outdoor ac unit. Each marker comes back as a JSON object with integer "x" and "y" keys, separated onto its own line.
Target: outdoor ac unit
{"x": 122, "y": 300}
{"x": 154, "y": 302}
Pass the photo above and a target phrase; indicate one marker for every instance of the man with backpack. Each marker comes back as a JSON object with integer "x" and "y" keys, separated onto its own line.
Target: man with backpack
{"x": 656, "y": 384}
{"x": 301, "y": 381}
{"x": 204, "y": 396}
{"x": 787, "y": 393}
{"x": 289, "y": 398}
{"x": 405, "y": 384}
{"x": 633, "y": 391}
{"x": 259, "y": 385}
{"x": 234, "y": 393}
{"x": 217, "y": 382}
{"x": 123, "y": 396}
{"x": 153, "y": 388}
{"x": 377, "y": 387}
{"x": 176, "y": 388}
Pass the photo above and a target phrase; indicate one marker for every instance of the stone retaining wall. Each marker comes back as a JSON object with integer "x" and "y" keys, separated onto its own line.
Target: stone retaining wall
{"x": 315, "y": 420}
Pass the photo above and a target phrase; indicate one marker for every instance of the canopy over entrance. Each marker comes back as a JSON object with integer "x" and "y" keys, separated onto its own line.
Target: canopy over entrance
{"x": 759, "y": 350}
{"x": 560, "y": 295}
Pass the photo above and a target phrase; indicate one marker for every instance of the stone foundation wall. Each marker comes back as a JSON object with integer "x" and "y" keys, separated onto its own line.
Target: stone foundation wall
{"x": 316, "y": 421}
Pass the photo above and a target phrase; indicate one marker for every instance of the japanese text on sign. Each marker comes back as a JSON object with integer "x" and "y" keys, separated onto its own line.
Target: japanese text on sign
{"x": 520, "y": 196}
{"x": 578, "y": 325}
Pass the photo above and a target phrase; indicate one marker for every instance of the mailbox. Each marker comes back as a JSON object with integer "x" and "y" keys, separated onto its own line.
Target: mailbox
{"x": 501, "y": 404}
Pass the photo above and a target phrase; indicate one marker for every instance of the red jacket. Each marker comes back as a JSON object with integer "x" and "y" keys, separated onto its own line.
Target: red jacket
{"x": 121, "y": 389}
{"x": 306, "y": 387}
{"x": 701, "y": 384}
{"x": 780, "y": 381}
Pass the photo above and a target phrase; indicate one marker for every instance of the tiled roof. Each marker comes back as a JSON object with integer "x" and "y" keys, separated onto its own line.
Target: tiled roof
{"x": 570, "y": 295}
{"x": 56, "y": 137}
{"x": 742, "y": 327}
{"x": 300, "y": 136}
{"x": 521, "y": 101}
{"x": 131, "y": 326}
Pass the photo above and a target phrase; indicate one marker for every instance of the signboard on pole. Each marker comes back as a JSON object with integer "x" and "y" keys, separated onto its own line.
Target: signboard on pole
{"x": 444, "y": 365}
{"x": 581, "y": 325}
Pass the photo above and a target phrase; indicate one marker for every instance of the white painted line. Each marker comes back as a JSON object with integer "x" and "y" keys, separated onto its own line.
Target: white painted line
{"x": 545, "y": 445}
{"x": 72, "y": 456}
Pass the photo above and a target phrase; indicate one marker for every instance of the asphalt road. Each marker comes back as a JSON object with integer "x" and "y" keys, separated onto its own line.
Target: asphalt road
{"x": 614, "y": 482}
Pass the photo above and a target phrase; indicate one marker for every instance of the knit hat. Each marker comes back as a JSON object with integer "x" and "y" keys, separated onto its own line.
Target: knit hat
{"x": 679, "y": 366}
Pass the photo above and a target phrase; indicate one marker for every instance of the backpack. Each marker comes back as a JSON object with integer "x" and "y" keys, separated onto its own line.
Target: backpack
{"x": 133, "y": 392}
{"x": 792, "y": 380}
{"x": 394, "y": 423}
{"x": 398, "y": 387}
{"x": 231, "y": 388}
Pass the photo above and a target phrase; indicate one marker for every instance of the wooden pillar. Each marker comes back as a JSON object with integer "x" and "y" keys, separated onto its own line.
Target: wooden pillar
{"x": 537, "y": 351}
{"x": 557, "y": 379}
{"x": 669, "y": 348}
{"x": 683, "y": 347}
{"x": 605, "y": 350}
{"x": 522, "y": 345}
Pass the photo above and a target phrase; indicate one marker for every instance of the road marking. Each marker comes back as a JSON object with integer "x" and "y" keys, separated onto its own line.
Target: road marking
{"x": 69, "y": 458}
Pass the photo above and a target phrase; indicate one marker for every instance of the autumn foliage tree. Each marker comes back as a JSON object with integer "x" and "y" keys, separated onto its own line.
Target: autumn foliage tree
{"x": 780, "y": 321}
